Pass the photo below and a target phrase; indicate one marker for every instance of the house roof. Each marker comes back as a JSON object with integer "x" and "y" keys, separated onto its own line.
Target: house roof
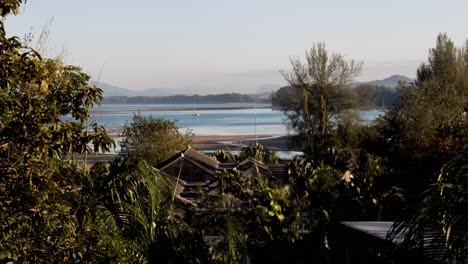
{"x": 278, "y": 171}
{"x": 195, "y": 173}
{"x": 190, "y": 166}
{"x": 192, "y": 155}
{"x": 251, "y": 165}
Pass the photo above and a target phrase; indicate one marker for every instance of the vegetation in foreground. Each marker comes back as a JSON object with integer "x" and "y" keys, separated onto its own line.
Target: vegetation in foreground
{"x": 53, "y": 210}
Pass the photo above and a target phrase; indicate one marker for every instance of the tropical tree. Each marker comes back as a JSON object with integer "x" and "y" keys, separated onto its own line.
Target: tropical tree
{"x": 314, "y": 191}
{"x": 138, "y": 200}
{"x": 9, "y": 6}
{"x": 153, "y": 139}
{"x": 222, "y": 155}
{"x": 250, "y": 214}
{"x": 259, "y": 153}
{"x": 441, "y": 217}
{"x": 323, "y": 82}
{"x": 43, "y": 119}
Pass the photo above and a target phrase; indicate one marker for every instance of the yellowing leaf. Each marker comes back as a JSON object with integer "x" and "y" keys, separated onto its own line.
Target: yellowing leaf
{"x": 44, "y": 86}
{"x": 281, "y": 217}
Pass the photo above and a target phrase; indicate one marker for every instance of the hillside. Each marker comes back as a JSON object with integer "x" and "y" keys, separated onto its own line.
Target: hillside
{"x": 390, "y": 82}
{"x": 113, "y": 94}
{"x": 111, "y": 90}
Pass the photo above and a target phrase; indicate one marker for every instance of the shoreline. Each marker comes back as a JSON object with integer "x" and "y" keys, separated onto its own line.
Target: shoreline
{"x": 274, "y": 142}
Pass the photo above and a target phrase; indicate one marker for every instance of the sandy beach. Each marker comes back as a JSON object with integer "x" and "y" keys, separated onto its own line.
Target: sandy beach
{"x": 275, "y": 142}
{"x": 216, "y": 142}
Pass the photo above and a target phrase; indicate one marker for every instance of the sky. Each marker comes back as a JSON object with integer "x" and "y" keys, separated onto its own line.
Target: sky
{"x": 206, "y": 46}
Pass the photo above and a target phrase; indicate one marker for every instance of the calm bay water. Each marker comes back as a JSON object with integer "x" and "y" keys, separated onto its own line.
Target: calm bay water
{"x": 233, "y": 119}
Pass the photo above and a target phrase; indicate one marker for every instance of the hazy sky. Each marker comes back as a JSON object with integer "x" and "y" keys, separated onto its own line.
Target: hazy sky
{"x": 235, "y": 45}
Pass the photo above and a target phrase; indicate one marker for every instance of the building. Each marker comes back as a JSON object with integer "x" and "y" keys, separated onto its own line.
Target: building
{"x": 197, "y": 176}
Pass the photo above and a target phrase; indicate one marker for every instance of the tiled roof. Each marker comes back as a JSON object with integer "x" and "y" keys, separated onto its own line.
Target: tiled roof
{"x": 250, "y": 165}
{"x": 196, "y": 173}
{"x": 190, "y": 165}
{"x": 193, "y": 155}
{"x": 201, "y": 158}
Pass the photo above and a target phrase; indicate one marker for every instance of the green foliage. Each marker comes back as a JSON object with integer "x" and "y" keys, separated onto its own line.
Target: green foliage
{"x": 43, "y": 219}
{"x": 362, "y": 96}
{"x": 323, "y": 82}
{"x": 313, "y": 188}
{"x": 442, "y": 211}
{"x": 262, "y": 209}
{"x": 287, "y": 97}
{"x": 368, "y": 95}
{"x": 429, "y": 126}
{"x": 357, "y": 151}
{"x": 52, "y": 221}
{"x": 259, "y": 153}
{"x": 232, "y": 247}
{"x": 37, "y": 94}
{"x": 10, "y": 6}
{"x": 223, "y": 156}
{"x": 314, "y": 193}
{"x": 153, "y": 139}
{"x": 137, "y": 199}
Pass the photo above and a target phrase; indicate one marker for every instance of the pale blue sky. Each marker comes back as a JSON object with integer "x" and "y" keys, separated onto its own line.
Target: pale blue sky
{"x": 216, "y": 45}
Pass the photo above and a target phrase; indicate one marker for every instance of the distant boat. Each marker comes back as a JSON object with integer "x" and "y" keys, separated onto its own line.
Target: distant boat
{"x": 193, "y": 108}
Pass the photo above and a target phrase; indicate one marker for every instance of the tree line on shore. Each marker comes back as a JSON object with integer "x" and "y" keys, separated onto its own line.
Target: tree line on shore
{"x": 187, "y": 99}
{"x": 363, "y": 95}
{"x": 409, "y": 166}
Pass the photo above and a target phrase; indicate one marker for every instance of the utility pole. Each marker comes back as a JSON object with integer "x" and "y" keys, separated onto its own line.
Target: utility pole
{"x": 255, "y": 115}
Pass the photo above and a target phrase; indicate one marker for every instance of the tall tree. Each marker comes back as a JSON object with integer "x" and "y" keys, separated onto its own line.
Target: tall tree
{"x": 429, "y": 126}
{"x": 153, "y": 139}
{"x": 322, "y": 81}
{"x": 138, "y": 200}
{"x": 39, "y": 186}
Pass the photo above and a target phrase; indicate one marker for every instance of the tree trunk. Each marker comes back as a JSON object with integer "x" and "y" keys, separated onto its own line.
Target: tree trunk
{"x": 323, "y": 115}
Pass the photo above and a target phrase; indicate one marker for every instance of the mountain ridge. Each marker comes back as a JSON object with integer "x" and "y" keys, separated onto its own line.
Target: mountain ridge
{"x": 390, "y": 82}
{"x": 110, "y": 90}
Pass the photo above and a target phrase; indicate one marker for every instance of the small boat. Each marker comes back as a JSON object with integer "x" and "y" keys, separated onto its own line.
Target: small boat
{"x": 195, "y": 114}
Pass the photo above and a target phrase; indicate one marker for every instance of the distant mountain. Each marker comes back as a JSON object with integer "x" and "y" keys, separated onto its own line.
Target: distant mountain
{"x": 390, "y": 82}
{"x": 110, "y": 90}
{"x": 261, "y": 91}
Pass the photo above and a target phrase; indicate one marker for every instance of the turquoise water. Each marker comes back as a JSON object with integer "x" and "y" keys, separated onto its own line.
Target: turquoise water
{"x": 229, "y": 121}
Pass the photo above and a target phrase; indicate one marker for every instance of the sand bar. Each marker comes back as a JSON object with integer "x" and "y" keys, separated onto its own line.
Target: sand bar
{"x": 235, "y": 142}
{"x": 215, "y": 142}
